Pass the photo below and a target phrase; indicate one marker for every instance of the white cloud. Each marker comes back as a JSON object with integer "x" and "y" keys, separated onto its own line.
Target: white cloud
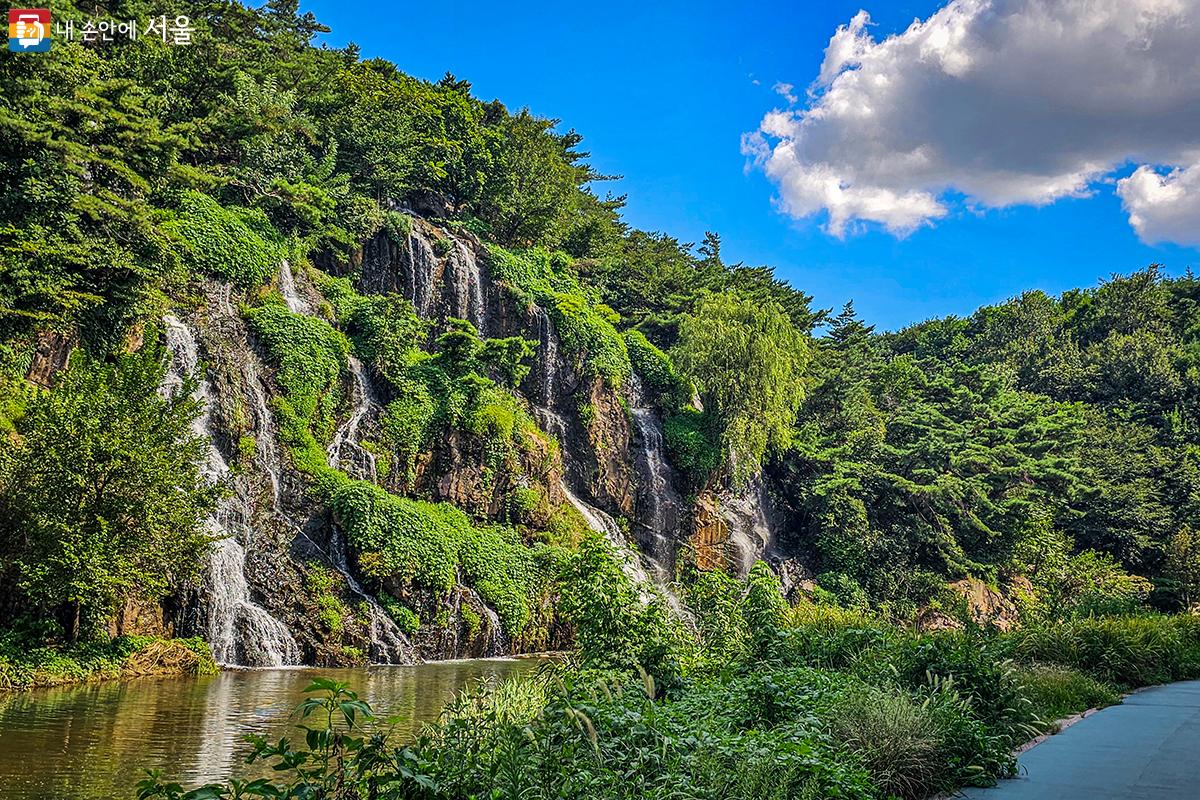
{"x": 1163, "y": 208}
{"x": 785, "y": 90}
{"x": 1004, "y": 102}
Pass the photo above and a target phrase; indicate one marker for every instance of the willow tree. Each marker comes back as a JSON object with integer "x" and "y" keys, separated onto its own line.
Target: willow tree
{"x": 748, "y": 360}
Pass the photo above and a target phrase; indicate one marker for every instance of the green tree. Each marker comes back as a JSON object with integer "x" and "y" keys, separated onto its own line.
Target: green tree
{"x": 1183, "y": 565}
{"x": 748, "y": 359}
{"x": 103, "y": 497}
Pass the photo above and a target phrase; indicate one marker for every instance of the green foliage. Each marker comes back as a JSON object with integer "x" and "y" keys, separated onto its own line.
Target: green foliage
{"x": 613, "y": 628}
{"x": 405, "y": 618}
{"x": 309, "y": 357}
{"x": 747, "y": 359}
{"x": 1125, "y": 651}
{"x": 694, "y": 443}
{"x": 588, "y": 332}
{"x": 1067, "y": 584}
{"x": 331, "y": 611}
{"x": 585, "y": 326}
{"x": 668, "y": 389}
{"x": 508, "y": 359}
{"x": 232, "y": 244}
{"x": 411, "y": 543}
{"x": 100, "y": 496}
{"x": 408, "y": 423}
{"x": 27, "y": 661}
{"x": 1182, "y": 567}
{"x": 1058, "y": 692}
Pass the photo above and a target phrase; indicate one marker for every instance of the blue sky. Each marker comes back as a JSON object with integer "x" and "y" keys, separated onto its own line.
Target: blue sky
{"x": 662, "y": 93}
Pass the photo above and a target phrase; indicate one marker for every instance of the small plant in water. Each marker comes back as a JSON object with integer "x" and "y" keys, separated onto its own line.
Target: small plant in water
{"x": 345, "y": 757}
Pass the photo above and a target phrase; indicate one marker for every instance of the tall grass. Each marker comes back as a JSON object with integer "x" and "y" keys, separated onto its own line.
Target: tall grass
{"x": 1125, "y": 651}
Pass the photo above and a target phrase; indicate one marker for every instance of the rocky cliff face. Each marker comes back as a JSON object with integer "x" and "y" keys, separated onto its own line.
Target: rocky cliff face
{"x": 284, "y": 588}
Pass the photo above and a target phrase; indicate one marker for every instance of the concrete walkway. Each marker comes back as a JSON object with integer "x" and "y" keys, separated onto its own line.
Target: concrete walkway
{"x": 1147, "y": 748}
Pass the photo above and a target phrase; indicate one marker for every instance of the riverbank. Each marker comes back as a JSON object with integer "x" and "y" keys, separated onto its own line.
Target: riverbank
{"x": 771, "y": 702}
{"x": 25, "y": 666}
{"x": 95, "y": 741}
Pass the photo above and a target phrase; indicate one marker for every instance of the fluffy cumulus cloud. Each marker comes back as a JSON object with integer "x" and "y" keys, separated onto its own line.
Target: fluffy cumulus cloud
{"x": 996, "y": 103}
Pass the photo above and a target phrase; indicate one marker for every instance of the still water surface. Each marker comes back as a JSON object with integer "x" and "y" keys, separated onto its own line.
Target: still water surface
{"x": 94, "y": 742}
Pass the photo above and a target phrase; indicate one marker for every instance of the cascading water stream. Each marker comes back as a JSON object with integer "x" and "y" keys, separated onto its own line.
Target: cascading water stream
{"x": 750, "y": 531}
{"x": 468, "y": 286}
{"x": 241, "y": 632}
{"x": 296, "y": 302}
{"x": 601, "y": 522}
{"x": 659, "y": 503}
{"x": 388, "y": 642}
{"x": 422, "y": 262}
{"x": 346, "y": 436}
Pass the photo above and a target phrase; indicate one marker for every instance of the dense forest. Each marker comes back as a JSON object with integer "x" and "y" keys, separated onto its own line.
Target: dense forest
{"x": 388, "y": 355}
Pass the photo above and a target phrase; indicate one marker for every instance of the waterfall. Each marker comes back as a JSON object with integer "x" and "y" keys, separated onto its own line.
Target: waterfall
{"x": 422, "y": 264}
{"x": 468, "y": 286}
{"x": 496, "y": 642}
{"x": 548, "y": 357}
{"x": 346, "y": 435}
{"x": 388, "y": 642}
{"x": 296, "y": 302}
{"x": 658, "y": 502}
{"x": 389, "y": 645}
{"x": 602, "y": 522}
{"x": 748, "y": 516}
{"x": 264, "y": 425}
{"x": 240, "y": 631}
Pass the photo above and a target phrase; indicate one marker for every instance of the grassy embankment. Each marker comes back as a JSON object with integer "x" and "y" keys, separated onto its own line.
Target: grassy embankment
{"x": 25, "y": 667}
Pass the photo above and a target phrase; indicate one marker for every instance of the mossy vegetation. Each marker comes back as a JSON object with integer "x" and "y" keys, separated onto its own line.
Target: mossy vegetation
{"x": 239, "y": 245}
{"x": 309, "y": 357}
{"x": 408, "y": 545}
{"x": 585, "y": 325}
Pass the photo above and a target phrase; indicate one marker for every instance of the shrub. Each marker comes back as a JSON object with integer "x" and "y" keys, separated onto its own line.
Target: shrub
{"x": 585, "y": 326}
{"x": 897, "y": 740}
{"x": 309, "y": 357}
{"x": 667, "y": 387}
{"x": 405, "y": 618}
{"x": 431, "y": 544}
{"x": 588, "y": 334}
{"x": 232, "y": 244}
{"x": 693, "y": 443}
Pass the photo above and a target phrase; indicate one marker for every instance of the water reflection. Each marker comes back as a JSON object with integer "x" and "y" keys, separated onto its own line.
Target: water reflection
{"x": 94, "y": 742}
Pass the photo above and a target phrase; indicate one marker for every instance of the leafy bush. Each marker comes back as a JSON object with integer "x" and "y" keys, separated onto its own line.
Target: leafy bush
{"x": 668, "y": 388}
{"x": 232, "y": 244}
{"x": 585, "y": 326}
{"x": 613, "y": 628}
{"x": 693, "y": 443}
{"x": 309, "y": 357}
{"x": 898, "y": 740}
{"x": 589, "y": 334}
{"x": 430, "y": 545}
{"x": 405, "y": 618}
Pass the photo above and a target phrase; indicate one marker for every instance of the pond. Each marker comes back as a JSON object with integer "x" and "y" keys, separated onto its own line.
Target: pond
{"x": 94, "y": 742}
